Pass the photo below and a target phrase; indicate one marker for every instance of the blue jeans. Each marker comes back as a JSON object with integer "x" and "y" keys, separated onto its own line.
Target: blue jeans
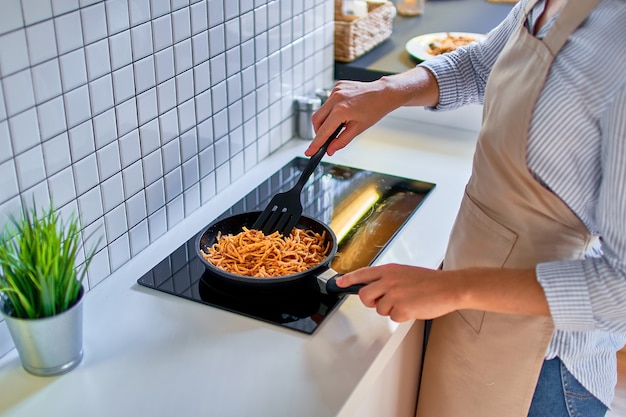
{"x": 559, "y": 394}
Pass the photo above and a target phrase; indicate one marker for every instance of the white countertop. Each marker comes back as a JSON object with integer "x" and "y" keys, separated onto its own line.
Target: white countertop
{"x": 147, "y": 353}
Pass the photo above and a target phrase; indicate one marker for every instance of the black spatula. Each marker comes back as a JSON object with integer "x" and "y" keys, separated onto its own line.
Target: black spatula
{"x": 284, "y": 209}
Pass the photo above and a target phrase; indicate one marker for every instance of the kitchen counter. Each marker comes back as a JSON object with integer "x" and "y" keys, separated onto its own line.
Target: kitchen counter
{"x": 147, "y": 353}
{"x": 390, "y": 57}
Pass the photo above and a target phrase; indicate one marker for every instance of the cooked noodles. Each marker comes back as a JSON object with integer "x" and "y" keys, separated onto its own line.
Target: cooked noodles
{"x": 252, "y": 253}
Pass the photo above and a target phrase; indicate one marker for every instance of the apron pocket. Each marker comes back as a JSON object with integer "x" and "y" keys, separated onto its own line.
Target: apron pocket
{"x": 477, "y": 240}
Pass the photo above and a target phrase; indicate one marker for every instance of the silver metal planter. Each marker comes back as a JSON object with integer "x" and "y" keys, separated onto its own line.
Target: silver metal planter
{"x": 50, "y": 345}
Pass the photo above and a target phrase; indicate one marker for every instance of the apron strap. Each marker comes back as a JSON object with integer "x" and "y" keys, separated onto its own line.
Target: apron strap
{"x": 573, "y": 14}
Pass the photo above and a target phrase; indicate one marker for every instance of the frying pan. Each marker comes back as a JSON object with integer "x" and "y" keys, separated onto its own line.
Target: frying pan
{"x": 321, "y": 277}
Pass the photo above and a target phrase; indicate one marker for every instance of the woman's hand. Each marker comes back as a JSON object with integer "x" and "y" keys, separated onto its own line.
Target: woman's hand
{"x": 361, "y": 104}
{"x": 405, "y": 292}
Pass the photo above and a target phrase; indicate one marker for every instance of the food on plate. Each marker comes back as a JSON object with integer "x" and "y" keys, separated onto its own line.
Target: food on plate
{"x": 449, "y": 43}
{"x": 254, "y": 254}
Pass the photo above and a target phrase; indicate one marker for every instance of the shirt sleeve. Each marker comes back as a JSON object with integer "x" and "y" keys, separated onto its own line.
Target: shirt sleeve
{"x": 462, "y": 74}
{"x": 590, "y": 294}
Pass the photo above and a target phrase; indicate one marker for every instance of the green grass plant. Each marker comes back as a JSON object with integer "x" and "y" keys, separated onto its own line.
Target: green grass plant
{"x": 38, "y": 273}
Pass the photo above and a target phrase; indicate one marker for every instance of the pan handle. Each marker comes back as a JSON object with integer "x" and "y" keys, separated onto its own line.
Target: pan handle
{"x": 328, "y": 285}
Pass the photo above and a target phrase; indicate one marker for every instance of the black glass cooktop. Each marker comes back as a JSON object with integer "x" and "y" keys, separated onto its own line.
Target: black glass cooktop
{"x": 365, "y": 209}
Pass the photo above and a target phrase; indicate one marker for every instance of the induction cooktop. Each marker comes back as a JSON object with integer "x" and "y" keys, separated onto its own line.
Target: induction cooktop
{"x": 365, "y": 209}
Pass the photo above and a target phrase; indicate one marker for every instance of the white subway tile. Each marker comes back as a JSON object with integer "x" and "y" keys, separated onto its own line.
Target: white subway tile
{"x": 249, "y": 132}
{"x": 117, "y": 15}
{"x": 109, "y": 162}
{"x": 235, "y": 117}
{"x": 139, "y": 237}
{"x": 3, "y": 109}
{"x": 181, "y": 24}
{"x": 157, "y": 224}
{"x": 191, "y": 198}
{"x": 207, "y": 187}
{"x": 41, "y": 43}
{"x": 207, "y": 161}
{"x": 105, "y": 128}
{"x": 81, "y": 140}
{"x": 186, "y": 115}
{"x": 123, "y": 83}
{"x": 175, "y": 211}
{"x": 233, "y": 61}
{"x": 201, "y": 77}
{"x": 30, "y": 167}
{"x": 219, "y": 97}
{"x": 205, "y": 134}
{"x": 178, "y": 4}
{"x": 220, "y": 124}
{"x": 77, "y": 106}
{"x": 159, "y": 7}
{"x": 191, "y": 173}
{"x": 35, "y": 10}
{"x": 112, "y": 191}
{"x": 133, "y": 180}
{"x": 6, "y": 151}
{"x": 69, "y": 33}
{"x": 64, "y": 6}
{"x": 182, "y": 56}
{"x": 222, "y": 153}
{"x": 46, "y": 80}
{"x": 119, "y": 252}
{"x": 56, "y": 154}
{"x": 200, "y": 46}
{"x": 155, "y": 194}
{"x": 247, "y": 54}
{"x": 173, "y": 182}
{"x": 150, "y": 137}
{"x": 184, "y": 87}
{"x": 130, "y": 148}
{"x": 147, "y": 106}
{"x": 145, "y": 77}
{"x": 94, "y": 23}
{"x": 136, "y": 208}
{"x": 235, "y": 140}
{"x": 51, "y": 116}
{"x": 216, "y": 40}
{"x": 152, "y": 168}
{"x": 215, "y": 12}
{"x": 199, "y": 20}
{"x": 120, "y": 50}
{"x": 171, "y": 155}
{"x": 166, "y": 94}
{"x": 101, "y": 93}
{"x": 98, "y": 59}
{"x": 218, "y": 69}
{"x": 11, "y": 17}
{"x": 260, "y": 46}
{"x": 73, "y": 69}
{"x": 13, "y": 52}
{"x": 10, "y": 186}
{"x": 233, "y": 85}
{"x": 61, "y": 186}
{"x": 24, "y": 131}
{"x": 18, "y": 92}
{"x": 249, "y": 108}
{"x": 260, "y": 19}
{"x": 126, "y": 113}
{"x": 99, "y": 268}
{"x": 168, "y": 125}
{"x": 162, "y": 32}
{"x": 86, "y": 174}
{"x": 204, "y": 108}
{"x": 141, "y": 37}
{"x": 233, "y": 36}
{"x": 89, "y": 203}
{"x": 222, "y": 177}
{"x": 164, "y": 64}
{"x": 139, "y": 11}
{"x": 236, "y": 163}
{"x": 188, "y": 144}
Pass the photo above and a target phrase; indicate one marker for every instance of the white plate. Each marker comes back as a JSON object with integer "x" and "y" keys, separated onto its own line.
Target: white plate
{"x": 418, "y": 46}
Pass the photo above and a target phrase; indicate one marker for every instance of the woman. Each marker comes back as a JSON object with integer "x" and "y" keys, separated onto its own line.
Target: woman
{"x": 530, "y": 307}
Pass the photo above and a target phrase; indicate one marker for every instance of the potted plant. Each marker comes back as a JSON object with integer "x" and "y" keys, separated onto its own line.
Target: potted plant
{"x": 41, "y": 289}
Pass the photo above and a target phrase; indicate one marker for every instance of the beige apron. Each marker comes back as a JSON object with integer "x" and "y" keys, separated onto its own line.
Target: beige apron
{"x": 480, "y": 364}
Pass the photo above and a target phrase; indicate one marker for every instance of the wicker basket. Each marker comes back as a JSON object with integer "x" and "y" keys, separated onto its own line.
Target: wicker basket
{"x": 355, "y": 36}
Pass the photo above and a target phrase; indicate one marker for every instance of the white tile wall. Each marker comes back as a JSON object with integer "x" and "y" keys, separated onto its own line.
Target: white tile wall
{"x": 132, "y": 113}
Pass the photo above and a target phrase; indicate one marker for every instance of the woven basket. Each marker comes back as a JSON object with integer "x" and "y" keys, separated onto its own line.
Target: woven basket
{"x": 355, "y": 36}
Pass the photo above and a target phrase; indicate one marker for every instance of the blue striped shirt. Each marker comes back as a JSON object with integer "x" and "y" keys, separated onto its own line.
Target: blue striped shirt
{"x": 577, "y": 148}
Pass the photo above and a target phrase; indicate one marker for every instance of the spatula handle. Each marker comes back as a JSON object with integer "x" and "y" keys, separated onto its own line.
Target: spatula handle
{"x": 316, "y": 158}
